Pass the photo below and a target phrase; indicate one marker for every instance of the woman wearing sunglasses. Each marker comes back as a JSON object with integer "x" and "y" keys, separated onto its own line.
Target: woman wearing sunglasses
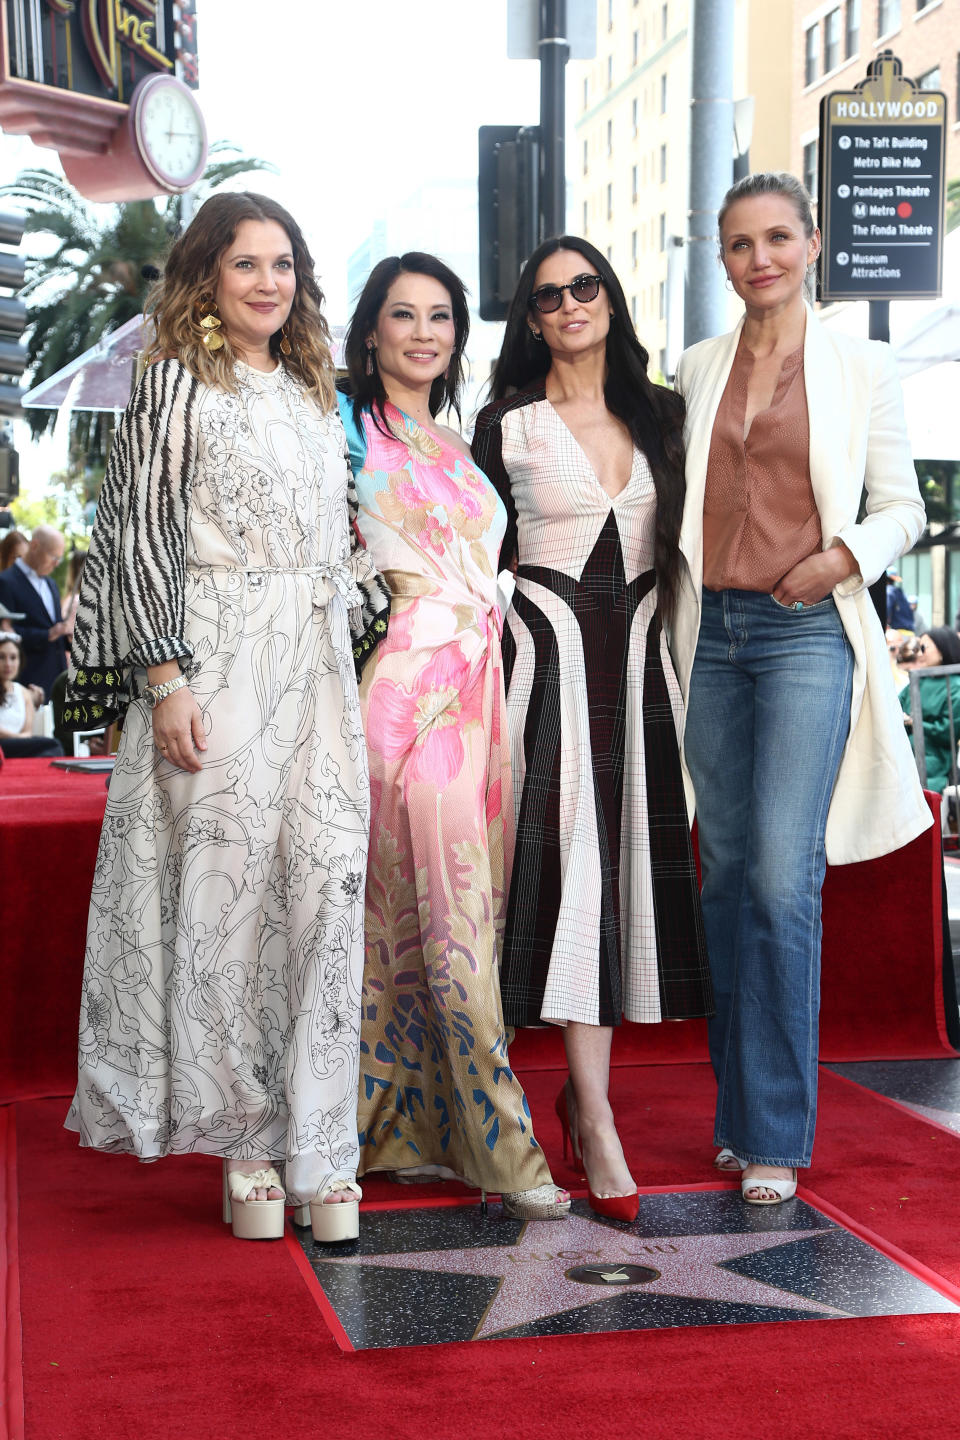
{"x": 603, "y": 921}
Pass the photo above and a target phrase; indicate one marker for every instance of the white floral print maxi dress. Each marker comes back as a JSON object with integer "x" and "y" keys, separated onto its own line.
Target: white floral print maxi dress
{"x": 221, "y": 990}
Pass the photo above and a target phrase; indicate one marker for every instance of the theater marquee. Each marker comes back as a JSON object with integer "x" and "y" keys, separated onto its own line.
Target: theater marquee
{"x": 105, "y": 83}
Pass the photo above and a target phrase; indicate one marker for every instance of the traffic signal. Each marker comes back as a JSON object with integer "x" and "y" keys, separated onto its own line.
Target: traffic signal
{"x": 13, "y": 313}
{"x": 507, "y": 178}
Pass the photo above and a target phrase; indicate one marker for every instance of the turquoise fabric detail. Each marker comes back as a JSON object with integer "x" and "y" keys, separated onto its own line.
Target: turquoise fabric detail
{"x": 356, "y": 439}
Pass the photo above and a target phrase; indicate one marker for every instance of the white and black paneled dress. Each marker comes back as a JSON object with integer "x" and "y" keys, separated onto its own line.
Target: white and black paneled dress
{"x": 604, "y": 918}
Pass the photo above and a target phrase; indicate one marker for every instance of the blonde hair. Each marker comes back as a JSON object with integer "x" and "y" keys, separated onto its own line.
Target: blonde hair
{"x": 190, "y": 277}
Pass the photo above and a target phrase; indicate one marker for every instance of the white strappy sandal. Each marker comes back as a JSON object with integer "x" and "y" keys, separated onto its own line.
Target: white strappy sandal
{"x": 337, "y": 1222}
{"x": 782, "y": 1189}
{"x": 727, "y": 1161}
{"x": 252, "y": 1219}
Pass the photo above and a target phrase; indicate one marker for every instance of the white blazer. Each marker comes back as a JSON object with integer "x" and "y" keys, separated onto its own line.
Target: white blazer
{"x": 858, "y": 438}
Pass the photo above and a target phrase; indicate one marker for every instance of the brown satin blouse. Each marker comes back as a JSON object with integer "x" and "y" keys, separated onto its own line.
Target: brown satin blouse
{"x": 759, "y": 515}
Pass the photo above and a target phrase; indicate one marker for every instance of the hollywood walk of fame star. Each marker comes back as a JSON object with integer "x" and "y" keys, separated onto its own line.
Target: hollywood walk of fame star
{"x": 534, "y": 1271}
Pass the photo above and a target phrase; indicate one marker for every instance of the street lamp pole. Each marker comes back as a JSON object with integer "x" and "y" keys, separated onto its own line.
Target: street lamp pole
{"x": 711, "y": 164}
{"x": 554, "y": 54}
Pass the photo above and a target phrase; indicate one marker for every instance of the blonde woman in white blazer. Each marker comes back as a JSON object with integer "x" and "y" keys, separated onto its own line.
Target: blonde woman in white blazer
{"x": 794, "y": 741}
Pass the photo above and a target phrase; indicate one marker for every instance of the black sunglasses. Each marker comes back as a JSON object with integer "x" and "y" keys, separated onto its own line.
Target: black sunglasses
{"x": 548, "y": 298}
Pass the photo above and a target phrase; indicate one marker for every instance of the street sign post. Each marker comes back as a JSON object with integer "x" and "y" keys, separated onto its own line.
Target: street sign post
{"x": 881, "y": 201}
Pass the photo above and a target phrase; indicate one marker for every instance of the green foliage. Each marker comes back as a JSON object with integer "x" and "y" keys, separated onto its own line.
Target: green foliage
{"x": 940, "y": 489}
{"x": 87, "y": 281}
{"x": 953, "y": 203}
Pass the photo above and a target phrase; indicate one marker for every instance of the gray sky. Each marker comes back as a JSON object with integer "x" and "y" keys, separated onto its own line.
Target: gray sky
{"x": 358, "y": 101}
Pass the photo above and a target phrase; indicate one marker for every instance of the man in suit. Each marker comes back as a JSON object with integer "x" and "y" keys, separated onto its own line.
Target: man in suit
{"x": 26, "y": 586}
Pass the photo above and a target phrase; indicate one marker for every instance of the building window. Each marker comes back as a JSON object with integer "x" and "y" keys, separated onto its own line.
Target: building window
{"x": 634, "y": 249}
{"x": 663, "y": 362}
{"x": 888, "y": 16}
{"x": 853, "y": 29}
{"x": 930, "y": 80}
{"x": 811, "y": 54}
{"x": 609, "y": 137}
{"x": 633, "y": 309}
{"x": 810, "y": 168}
{"x": 586, "y": 92}
{"x": 584, "y": 217}
{"x": 663, "y": 164}
{"x": 610, "y": 253}
{"x": 634, "y": 183}
{"x": 636, "y": 46}
{"x": 635, "y": 116}
{"x": 609, "y": 14}
{"x": 609, "y": 202}
{"x": 586, "y": 160}
{"x": 922, "y": 4}
{"x": 663, "y": 22}
{"x": 663, "y": 94}
{"x": 831, "y": 40}
{"x": 609, "y": 72}
{"x": 663, "y": 232}
{"x": 662, "y": 301}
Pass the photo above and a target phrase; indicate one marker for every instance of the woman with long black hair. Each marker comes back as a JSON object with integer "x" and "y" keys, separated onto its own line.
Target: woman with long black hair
{"x": 603, "y": 921}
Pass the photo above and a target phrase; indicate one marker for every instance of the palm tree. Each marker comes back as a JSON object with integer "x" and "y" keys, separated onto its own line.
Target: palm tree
{"x": 93, "y": 280}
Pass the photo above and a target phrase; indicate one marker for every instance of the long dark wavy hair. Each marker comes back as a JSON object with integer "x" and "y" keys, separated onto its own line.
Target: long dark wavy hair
{"x": 367, "y": 391}
{"x": 652, "y": 413}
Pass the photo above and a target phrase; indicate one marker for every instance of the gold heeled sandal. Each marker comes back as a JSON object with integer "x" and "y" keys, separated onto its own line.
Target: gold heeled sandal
{"x": 252, "y": 1219}
{"x": 332, "y": 1223}
{"x": 541, "y": 1203}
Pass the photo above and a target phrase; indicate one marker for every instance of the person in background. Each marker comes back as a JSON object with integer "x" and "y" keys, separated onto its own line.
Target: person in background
{"x": 75, "y": 564}
{"x": 224, "y": 605}
{"x": 899, "y": 609}
{"x": 17, "y": 708}
{"x": 12, "y": 546}
{"x": 794, "y": 740}
{"x": 604, "y": 922}
{"x": 437, "y": 1093}
{"x": 940, "y": 701}
{"x": 28, "y": 586}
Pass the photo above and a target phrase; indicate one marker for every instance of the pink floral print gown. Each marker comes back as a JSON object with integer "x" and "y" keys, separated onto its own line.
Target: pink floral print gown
{"x": 435, "y": 1080}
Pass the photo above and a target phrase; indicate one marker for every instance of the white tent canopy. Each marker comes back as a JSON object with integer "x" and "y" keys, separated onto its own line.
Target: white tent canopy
{"x": 925, "y": 335}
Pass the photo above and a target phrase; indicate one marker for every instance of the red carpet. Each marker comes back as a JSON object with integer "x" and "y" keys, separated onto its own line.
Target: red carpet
{"x": 143, "y": 1320}
{"x": 882, "y": 952}
{"x": 49, "y": 826}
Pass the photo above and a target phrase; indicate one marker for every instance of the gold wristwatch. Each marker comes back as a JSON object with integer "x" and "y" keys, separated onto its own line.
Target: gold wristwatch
{"x": 155, "y": 693}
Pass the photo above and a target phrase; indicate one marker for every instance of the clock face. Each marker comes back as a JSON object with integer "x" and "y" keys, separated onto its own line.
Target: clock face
{"x": 170, "y": 132}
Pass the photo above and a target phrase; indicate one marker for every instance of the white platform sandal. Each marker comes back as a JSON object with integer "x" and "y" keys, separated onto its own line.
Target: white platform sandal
{"x": 782, "y": 1190}
{"x": 333, "y": 1223}
{"x": 252, "y": 1219}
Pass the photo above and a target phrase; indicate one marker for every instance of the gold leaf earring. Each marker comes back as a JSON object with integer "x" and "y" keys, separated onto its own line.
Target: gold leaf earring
{"x": 209, "y": 323}
{"x": 285, "y": 347}
{"x": 369, "y": 365}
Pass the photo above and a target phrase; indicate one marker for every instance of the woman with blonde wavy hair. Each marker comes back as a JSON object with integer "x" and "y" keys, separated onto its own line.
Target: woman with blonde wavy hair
{"x": 226, "y": 608}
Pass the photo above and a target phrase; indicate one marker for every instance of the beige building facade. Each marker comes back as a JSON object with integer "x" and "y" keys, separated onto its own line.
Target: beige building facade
{"x": 833, "y": 43}
{"x": 629, "y": 169}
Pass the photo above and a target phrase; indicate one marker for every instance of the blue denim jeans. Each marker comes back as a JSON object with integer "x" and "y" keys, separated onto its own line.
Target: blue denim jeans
{"x": 767, "y": 720}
